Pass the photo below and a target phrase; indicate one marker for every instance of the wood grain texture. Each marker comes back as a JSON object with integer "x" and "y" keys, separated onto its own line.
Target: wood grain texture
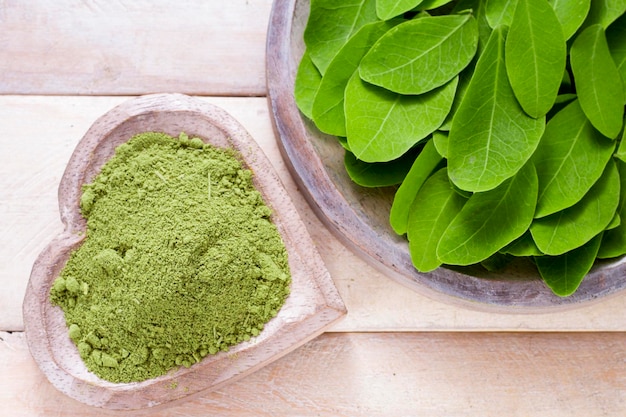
{"x": 133, "y": 47}
{"x": 360, "y": 216}
{"x": 312, "y": 306}
{"x": 385, "y": 374}
{"x": 38, "y": 135}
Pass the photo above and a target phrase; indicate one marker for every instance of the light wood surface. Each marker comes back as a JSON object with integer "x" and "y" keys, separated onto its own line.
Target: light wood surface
{"x": 447, "y": 360}
{"x": 133, "y": 47}
{"x": 400, "y": 374}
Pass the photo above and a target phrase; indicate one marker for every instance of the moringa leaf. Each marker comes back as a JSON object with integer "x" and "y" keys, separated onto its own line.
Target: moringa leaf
{"x": 621, "y": 148}
{"x": 571, "y": 14}
{"x": 570, "y": 158}
{"x": 535, "y": 56}
{"x": 564, "y": 273}
{"x": 425, "y": 163}
{"x": 463, "y": 193}
{"x": 615, "y": 222}
{"x": 328, "y": 112}
{"x": 477, "y": 8}
{"x": 434, "y": 207}
{"x": 573, "y": 227}
{"x": 440, "y": 139}
{"x": 422, "y": 54}
{"x": 432, "y": 4}
{"x": 307, "y": 82}
{"x": 522, "y": 246}
{"x": 616, "y": 39}
{"x": 382, "y": 125}
{"x": 496, "y": 262}
{"x": 614, "y": 239}
{"x": 331, "y": 23}
{"x": 566, "y": 83}
{"x": 562, "y": 100}
{"x": 598, "y": 84}
{"x": 378, "y": 174}
{"x": 387, "y": 9}
{"x": 491, "y": 220}
{"x": 604, "y": 12}
{"x": 464, "y": 78}
{"x": 343, "y": 141}
{"x": 491, "y": 137}
{"x": 500, "y": 12}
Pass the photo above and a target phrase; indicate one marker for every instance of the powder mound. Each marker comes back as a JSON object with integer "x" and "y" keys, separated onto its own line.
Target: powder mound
{"x": 180, "y": 260}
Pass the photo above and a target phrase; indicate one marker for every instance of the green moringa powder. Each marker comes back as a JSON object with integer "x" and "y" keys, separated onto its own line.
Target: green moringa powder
{"x": 180, "y": 260}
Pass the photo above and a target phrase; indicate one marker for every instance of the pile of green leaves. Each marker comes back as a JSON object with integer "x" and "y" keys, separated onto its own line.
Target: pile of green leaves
{"x": 501, "y": 121}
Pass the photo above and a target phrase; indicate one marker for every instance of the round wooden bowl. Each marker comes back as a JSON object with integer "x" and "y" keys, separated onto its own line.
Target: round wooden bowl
{"x": 359, "y": 216}
{"x": 311, "y": 307}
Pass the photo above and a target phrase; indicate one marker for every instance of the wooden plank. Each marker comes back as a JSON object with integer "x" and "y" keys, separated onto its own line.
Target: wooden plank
{"x": 133, "y": 47}
{"x": 391, "y": 374}
{"x": 37, "y": 136}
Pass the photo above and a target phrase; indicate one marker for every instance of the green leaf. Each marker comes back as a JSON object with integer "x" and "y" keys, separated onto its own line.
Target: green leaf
{"x": 424, "y": 165}
{"x": 379, "y": 174}
{"x": 328, "y": 109}
{"x": 491, "y": 136}
{"x": 440, "y": 139}
{"x": 604, "y": 12}
{"x": 464, "y": 80}
{"x": 343, "y": 141}
{"x": 564, "y": 273}
{"x": 477, "y": 8}
{"x": 621, "y": 148}
{"x": 422, "y": 54}
{"x": 570, "y": 158}
{"x": 500, "y": 12}
{"x": 491, "y": 220}
{"x": 382, "y": 125}
{"x": 573, "y": 227}
{"x": 522, "y": 246}
{"x": 434, "y": 207}
{"x": 562, "y": 100}
{"x": 331, "y": 23}
{"x": 571, "y": 14}
{"x": 387, "y": 9}
{"x": 496, "y": 262}
{"x": 598, "y": 84}
{"x": 614, "y": 240}
{"x": 307, "y": 82}
{"x": 432, "y": 4}
{"x": 566, "y": 83}
{"x": 463, "y": 193}
{"x": 535, "y": 56}
{"x": 615, "y": 222}
{"x": 616, "y": 39}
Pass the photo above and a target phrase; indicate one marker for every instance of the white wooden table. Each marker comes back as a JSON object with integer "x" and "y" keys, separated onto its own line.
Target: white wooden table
{"x": 397, "y": 352}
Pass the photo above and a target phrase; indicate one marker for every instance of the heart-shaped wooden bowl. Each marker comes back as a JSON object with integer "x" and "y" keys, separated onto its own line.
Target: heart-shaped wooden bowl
{"x": 360, "y": 216}
{"x": 312, "y": 306}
